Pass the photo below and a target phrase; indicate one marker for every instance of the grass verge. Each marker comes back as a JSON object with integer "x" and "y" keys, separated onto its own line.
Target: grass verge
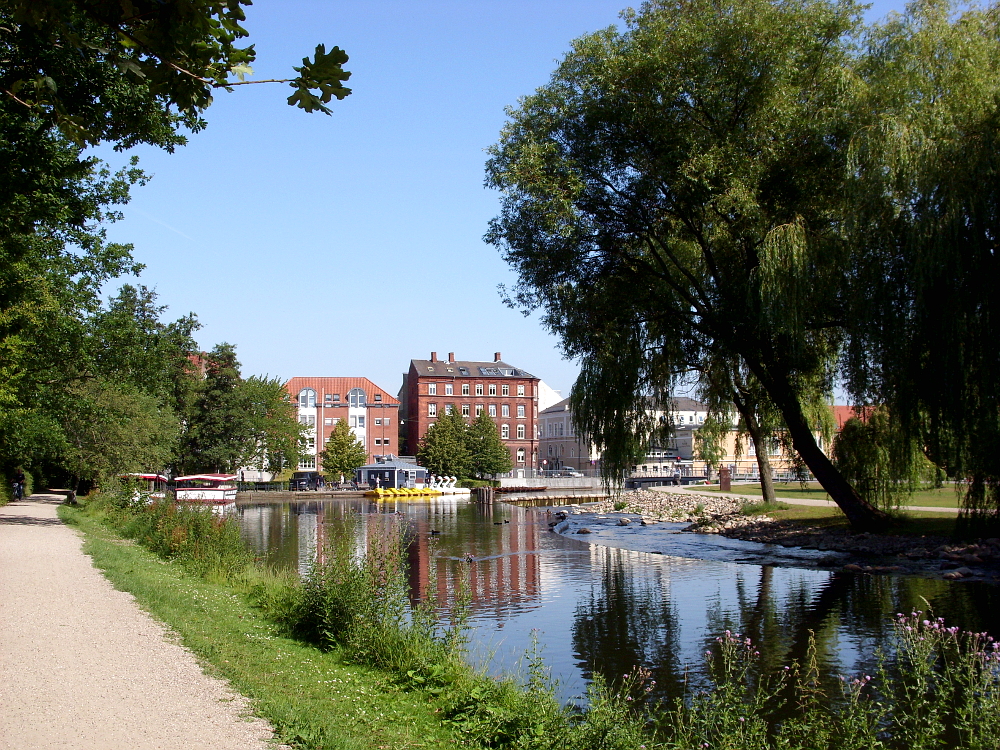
{"x": 943, "y": 497}
{"x": 314, "y": 698}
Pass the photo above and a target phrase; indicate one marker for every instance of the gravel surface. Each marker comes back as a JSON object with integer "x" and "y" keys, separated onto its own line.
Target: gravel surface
{"x": 82, "y": 667}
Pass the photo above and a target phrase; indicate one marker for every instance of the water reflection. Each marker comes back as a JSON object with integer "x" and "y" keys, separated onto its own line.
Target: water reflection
{"x": 600, "y": 609}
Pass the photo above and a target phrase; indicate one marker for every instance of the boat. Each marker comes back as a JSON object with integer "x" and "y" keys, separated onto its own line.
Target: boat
{"x": 206, "y": 488}
{"x": 152, "y": 486}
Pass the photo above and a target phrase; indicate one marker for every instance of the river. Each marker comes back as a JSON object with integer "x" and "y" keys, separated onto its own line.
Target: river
{"x": 598, "y": 608}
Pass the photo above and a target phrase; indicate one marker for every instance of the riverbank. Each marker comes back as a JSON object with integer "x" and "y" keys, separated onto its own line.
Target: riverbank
{"x": 820, "y": 530}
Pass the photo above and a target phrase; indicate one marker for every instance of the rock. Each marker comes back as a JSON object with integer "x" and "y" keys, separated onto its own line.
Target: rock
{"x": 852, "y": 568}
{"x": 952, "y": 575}
{"x": 624, "y": 521}
{"x": 964, "y": 572}
{"x": 584, "y": 530}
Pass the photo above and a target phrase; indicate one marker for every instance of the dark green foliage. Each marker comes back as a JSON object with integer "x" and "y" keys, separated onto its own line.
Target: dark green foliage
{"x": 103, "y": 70}
{"x": 488, "y": 455}
{"x": 878, "y": 460}
{"x": 926, "y": 335}
{"x": 444, "y": 449}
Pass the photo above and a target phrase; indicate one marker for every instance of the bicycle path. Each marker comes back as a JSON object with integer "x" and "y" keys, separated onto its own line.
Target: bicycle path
{"x": 83, "y": 667}
{"x": 796, "y": 500}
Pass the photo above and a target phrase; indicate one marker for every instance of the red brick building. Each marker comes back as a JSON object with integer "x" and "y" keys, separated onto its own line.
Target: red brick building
{"x": 509, "y": 395}
{"x": 371, "y": 413}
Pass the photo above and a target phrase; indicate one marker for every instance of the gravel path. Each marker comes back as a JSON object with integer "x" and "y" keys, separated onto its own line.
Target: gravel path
{"x": 82, "y": 667}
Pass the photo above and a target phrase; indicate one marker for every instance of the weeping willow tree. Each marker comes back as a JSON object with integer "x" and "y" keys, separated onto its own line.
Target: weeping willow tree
{"x": 923, "y": 304}
{"x": 675, "y": 195}
{"x": 882, "y": 464}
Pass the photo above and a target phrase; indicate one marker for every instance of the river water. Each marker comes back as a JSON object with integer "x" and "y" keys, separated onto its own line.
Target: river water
{"x": 599, "y": 608}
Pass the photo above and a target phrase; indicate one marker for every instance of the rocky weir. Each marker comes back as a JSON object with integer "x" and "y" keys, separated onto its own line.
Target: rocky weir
{"x": 934, "y": 556}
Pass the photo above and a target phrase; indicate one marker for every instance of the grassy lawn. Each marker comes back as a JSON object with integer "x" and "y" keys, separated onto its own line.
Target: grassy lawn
{"x": 944, "y": 497}
{"x": 913, "y": 523}
{"x": 313, "y": 698}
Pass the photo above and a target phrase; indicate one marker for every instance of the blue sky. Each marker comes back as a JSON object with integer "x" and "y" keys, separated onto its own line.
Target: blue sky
{"x": 348, "y": 245}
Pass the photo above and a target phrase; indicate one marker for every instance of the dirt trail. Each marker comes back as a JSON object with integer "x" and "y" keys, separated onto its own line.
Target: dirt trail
{"x": 82, "y": 667}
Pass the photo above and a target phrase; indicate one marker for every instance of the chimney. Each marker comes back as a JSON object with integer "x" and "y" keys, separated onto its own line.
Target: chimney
{"x": 451, "y": 356}
{"x": 496, "y": 357}
{"x": 434, "y": 356}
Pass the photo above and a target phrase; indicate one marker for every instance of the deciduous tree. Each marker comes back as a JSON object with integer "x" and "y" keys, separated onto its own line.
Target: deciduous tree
{"x": 444, "y": 448}
{"x": 344, "y": 453}
{"x": 675, "y": 194}
{"x": 487, "y": 453}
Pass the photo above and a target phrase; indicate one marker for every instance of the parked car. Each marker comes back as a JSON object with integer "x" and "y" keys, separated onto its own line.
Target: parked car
{"x": 569, "y": 471}
{"x": 304, "y": 480}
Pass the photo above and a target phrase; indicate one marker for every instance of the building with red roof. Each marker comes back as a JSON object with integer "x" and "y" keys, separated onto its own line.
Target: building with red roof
{"x": 371, "y": 412}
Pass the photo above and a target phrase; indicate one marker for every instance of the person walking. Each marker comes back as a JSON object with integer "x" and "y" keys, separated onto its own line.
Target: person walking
{"x": 19, "y": 485}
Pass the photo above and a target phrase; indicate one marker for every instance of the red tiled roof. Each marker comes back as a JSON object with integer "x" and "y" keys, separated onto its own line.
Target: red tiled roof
{"x": 342, "y": 386}
{"x": 842, "y": 412}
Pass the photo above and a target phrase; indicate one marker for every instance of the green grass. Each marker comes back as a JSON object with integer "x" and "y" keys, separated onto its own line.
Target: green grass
{"x": 314, "y": 698}
{"x": 944, "y": 497}
{"x": 910, "y": 523}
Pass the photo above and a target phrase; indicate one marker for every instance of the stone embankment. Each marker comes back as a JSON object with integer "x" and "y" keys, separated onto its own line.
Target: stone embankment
{"x": 876, "y": 552}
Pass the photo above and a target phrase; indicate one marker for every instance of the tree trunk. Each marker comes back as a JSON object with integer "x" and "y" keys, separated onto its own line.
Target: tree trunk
{"x": 862, "y": 515}
{"x": 761, "y": 450}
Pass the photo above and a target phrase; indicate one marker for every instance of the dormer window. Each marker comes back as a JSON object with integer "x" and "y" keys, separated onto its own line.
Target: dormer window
{"x": 307, "y": 398}
{"x": 378, "y": 396}
{"x": 336, "y": 397}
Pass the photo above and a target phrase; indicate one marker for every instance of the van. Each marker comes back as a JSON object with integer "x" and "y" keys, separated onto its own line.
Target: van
{"x": 304, "y": 480}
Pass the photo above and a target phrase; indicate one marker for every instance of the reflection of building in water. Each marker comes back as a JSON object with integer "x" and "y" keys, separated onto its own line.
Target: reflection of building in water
{"x": 308, "y": 531}
{"x": 504, "y": 569}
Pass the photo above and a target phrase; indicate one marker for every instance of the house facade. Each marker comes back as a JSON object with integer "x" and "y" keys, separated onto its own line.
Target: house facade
{"x": 561, "y": 446}
{"x": 371, "y": 413}
{"x": 435, "y": 387}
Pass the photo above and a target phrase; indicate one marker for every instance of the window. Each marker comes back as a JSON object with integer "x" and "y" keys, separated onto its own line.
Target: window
{"x": 336, "y": 397}
{"x": 311, "y": 443}
{"x": 493, "y": 389}
{"x": 493, "y": 410}
{"x": 378, "y": 422}
{"x": 326, "y": 440}
{"x": 328, "y": 397}
{"x": 328, "y": 421}
{"x": 448, "y": 408}
{"x": 307, "y": 398}
{"x": 356, "y": 398}
{"x": 361, "y": 421}
{"x": 385, "y": 421}
{"x": 520, "y": 432}
{"x": 505, "y": 432}
{"x": 378, "y": 396}
{"x": 550, "y": 449}
{"x": 479, "y": 409}
{"x": 432, "y": 389}
{"x": 378, "y": 441}
{"x": 465, "y": 410}
{"x": 479, "y": 389}
{"x": 465, "y": 389}
{"x": 353, "y": 422}
{"x": 308, "y": 419}
{"x": 308, "y": 462}
{"x": 505, "y": 390}
{"x": 432, "y": 410}
{"x": 520, "y": 390}
{"x": 385, "y": 441}
{"x": 520, "y": 410}
{"x": 449, "y": 390}
{"x": 520, "y": 455}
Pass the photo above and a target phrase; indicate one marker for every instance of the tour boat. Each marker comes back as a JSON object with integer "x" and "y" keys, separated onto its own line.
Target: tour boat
{"x": 206, "y": 488}
{"x": 155, "y": 484}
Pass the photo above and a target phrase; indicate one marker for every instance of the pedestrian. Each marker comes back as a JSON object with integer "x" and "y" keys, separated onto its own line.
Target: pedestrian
{"x": 19, "y": 485}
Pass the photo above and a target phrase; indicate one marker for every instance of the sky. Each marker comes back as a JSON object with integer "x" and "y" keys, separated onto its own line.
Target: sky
{"x": 349, "y": 245}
